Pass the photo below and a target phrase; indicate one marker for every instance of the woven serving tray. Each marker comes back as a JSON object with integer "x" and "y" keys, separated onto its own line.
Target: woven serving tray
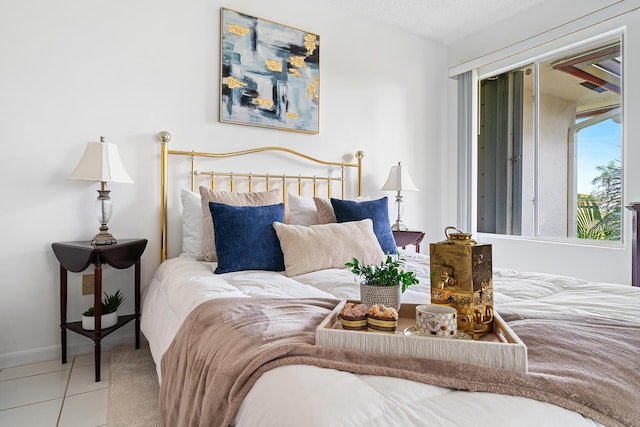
{"x": 500, "y": 349}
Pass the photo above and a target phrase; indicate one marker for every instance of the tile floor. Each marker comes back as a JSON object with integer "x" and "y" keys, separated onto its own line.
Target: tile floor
{"x": 50, "y": 394}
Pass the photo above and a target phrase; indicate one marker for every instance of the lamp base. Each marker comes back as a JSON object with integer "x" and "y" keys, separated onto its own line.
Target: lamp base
{"x": 399, "y": 226}
{"x": 103, "y": 238}
{"x": 103, "y": 209}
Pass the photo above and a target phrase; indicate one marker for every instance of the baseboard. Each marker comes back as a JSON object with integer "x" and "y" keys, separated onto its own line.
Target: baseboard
{"x": 45, "y": 354}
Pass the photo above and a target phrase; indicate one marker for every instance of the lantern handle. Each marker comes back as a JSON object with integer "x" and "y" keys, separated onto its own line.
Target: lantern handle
{"x": 446, "y": 231}
{"x": 459, "y": 238}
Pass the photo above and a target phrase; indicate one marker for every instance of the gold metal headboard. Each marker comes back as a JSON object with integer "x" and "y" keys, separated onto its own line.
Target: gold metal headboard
{"x": 165, "y": 137}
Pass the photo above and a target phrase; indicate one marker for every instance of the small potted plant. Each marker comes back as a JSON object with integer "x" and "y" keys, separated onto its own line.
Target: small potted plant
{"x": 383, "y": 283}
{"x": 109, "y": 318}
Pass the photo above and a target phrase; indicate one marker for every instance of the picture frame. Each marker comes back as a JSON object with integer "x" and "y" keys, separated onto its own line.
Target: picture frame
{"x": 269, "y": 74}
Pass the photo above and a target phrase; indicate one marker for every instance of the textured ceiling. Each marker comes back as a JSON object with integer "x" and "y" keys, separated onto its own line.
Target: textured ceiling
{"x": 441, "y": 20}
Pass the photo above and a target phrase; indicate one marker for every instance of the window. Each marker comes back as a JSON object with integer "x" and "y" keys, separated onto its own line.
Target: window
{"x": 550, "y": 147}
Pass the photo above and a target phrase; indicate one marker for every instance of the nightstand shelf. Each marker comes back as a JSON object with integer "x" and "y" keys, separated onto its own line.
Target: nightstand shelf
{"x": 122, "y": 320}
{"x": 77, "y": 257}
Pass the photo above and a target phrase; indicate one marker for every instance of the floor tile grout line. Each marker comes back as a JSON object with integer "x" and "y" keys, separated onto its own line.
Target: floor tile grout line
{"x": 29, "y": 404}
{"x": 64, "y": 397}
{"x": 34, "y": 375}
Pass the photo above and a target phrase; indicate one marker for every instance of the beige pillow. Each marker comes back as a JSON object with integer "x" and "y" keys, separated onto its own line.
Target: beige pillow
{"x": 323, "y": 246}
{"x": 325, "y": 210}
{"x": 258, "y": 198}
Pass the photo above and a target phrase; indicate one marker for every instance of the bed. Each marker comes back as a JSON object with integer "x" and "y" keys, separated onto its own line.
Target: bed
{"x": 236, "y": 348}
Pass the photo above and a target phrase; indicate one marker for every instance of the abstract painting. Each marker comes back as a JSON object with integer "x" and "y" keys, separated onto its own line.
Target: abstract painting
{"x": 269, "y": 74}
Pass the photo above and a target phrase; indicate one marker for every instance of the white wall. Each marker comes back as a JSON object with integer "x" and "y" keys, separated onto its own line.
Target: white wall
{"x": 71, "y": 71}
{"x": 513, "y": 43}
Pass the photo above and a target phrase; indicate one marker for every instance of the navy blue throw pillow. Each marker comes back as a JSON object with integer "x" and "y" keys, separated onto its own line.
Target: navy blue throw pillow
{"x": 376, "y": 210}
{"x": 245, "y": 238}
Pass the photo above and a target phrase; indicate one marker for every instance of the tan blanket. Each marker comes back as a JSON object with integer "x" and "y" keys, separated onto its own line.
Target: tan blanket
{"x": 225, "y": 345}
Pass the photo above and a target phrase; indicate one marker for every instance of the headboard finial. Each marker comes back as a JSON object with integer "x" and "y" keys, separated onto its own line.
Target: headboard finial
{"x": 359, "y": 154}
{"x": 164, "y": 137}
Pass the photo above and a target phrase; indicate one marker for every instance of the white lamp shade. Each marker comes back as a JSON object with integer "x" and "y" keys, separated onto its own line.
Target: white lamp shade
{"x": 399, "y": 180}
{"x": 100, "y": 162}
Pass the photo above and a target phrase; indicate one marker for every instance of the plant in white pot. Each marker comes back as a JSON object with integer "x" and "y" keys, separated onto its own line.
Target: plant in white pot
{"x": 109, "y": 317}
{"x": 382, "y": 283}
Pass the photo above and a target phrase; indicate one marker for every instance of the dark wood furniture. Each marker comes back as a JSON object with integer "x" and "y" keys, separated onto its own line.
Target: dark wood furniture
{"x": 408, "y": 237}
{"x": 635, "y": 260}
{"x": 76, "y": 257}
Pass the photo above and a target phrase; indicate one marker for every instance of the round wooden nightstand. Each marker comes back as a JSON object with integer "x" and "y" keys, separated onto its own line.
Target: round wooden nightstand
{"x": 76, "y": 257}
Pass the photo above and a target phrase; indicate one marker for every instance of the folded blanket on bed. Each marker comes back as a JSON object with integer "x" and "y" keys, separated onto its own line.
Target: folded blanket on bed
{"x": 225, "y": 345}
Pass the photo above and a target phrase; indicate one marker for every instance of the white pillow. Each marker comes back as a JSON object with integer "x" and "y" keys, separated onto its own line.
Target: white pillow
{"x": 302, "y": 210}
{"x": 191, "y": 224}
{"x": 323, "y": 246}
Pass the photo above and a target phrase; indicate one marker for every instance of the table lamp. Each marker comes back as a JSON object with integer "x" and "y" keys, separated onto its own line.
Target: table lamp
{"x": 101, "y": 162}
{"x": 399, "y": 181}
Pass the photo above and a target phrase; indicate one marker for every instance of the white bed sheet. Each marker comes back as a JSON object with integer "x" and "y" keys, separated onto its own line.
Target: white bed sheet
{"x": 311, "y": 396}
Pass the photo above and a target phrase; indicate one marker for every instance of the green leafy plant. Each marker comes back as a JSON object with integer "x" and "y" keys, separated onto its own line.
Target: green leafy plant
{"x": 589, "y": 219}
{"x": 599, "y": 214}
{"x": 388, "y": 273}
{"x": 110, "y": 304}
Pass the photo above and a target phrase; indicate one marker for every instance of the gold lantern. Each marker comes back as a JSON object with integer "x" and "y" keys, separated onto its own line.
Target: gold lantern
{"x": 461, "y": 277}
